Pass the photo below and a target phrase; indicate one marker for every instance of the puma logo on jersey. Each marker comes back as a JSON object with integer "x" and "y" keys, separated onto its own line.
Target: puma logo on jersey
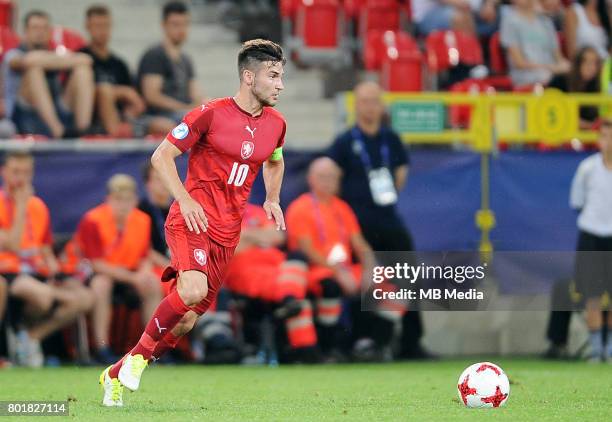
{"x": 251, "y": 131}
{"x": 159, "y": 327}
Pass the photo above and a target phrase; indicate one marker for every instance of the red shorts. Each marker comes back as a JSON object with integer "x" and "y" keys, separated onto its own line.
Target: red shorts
{"x": 191, "y": 251}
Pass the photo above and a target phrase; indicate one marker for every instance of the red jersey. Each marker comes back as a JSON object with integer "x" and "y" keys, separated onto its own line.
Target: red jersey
{"x": 228, "y": 147}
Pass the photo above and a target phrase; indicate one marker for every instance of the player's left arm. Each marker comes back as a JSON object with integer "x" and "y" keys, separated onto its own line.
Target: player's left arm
{"x": 273, "y": 170}
{"x": 401, "y": 176}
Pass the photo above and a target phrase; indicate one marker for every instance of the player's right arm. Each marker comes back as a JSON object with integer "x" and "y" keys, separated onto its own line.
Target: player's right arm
{"x": 163, "y": 161}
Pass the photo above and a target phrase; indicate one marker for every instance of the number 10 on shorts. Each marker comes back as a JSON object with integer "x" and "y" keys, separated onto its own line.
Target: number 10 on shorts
{"x": 238, "y": 174}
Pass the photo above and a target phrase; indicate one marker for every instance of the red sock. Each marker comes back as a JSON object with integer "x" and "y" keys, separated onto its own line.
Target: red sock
{"x": 167, "y": 343}
{"x": 166, "y": 316}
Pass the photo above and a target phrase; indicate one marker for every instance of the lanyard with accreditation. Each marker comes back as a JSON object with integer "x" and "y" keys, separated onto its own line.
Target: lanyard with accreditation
{"x": 380, "y": 179}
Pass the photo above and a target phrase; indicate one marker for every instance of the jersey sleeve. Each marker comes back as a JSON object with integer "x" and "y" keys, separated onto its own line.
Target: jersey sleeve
{"x": 89, "y": 239}
{"x": 281, "y": 139}
{"x": 195, "y": 124}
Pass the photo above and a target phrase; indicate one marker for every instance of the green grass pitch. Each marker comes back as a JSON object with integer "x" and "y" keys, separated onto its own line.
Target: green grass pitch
{"x": 415, "y": 391}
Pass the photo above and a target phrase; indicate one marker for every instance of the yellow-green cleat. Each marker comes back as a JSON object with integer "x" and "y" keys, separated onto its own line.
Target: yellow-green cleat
{"x": 113, "y": 390}
{"x": 131, "y": 371}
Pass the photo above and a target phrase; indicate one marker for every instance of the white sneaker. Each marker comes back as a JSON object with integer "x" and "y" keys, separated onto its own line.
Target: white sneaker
{"x": 113, "y": 390}
{"x": 28, "y": 351}
{"x": 131, "y": 371}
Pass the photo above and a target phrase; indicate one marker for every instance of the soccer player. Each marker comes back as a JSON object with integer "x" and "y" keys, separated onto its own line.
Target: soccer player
{"x": 230, "y": 139}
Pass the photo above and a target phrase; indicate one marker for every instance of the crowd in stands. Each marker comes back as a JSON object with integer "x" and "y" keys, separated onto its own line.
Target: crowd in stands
{"x": 56, "y": 84}
{"x": 516, "y": 45}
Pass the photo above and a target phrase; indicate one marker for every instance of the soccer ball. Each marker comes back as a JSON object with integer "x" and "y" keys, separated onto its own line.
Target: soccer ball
{"x": 483, "y": 384}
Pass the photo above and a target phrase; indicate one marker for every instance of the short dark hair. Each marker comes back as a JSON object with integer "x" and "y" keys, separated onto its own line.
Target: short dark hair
{"x": 97, "y": 10}
{"x": 174, "y": 7}
{"x": 34, "y": 14}
{"x": 259, "y": 51}
{"x": 17, "y": 155}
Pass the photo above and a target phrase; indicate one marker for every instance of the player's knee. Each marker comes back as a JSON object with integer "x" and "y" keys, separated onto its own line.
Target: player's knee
{"x": 330, "y": 288}
{"x": 192, "y": 287}
{"x": 102, "y": 285}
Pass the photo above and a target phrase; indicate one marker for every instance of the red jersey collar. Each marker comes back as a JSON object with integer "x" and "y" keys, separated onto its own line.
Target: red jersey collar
{"x": 233, "y": 101}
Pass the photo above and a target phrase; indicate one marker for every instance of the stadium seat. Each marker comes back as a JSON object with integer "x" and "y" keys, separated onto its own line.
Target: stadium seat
{"x": 318, "y": 33}
{"x": 446, "y": 49}
{"x": 7, "y": 10}
{"x": 63, "y": 39}
{"x": 379, "y": 15}
{"x": 8, "y": 40}
{"x": 496, "y": 55}
{"x": 402, "y": 63}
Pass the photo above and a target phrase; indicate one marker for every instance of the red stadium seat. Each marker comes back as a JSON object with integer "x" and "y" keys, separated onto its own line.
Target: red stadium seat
{"x": 382, "y": 15}
{"x": 446, "y": 49}
{"x": 402, "y": 63}
{"x": 497, "y": 57}
{"x": 459, "y": 115}
{"x": 66, "y": 39}
{"x": 8, "y": 40}
{"x": 317, "y": 23}
{"x": 288, "y": 8}
{"x": 7, "y": 10}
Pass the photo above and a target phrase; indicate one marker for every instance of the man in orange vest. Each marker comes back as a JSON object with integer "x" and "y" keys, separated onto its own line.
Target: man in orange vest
{"x": 325, "y": 229}
{"x": 28, "y": 264}
{"x": 116, "y": 238}
{"x": 259, "y": 271}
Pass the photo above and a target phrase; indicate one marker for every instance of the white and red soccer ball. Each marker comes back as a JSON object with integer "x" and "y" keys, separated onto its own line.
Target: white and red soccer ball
{"x": 483, "y": 384}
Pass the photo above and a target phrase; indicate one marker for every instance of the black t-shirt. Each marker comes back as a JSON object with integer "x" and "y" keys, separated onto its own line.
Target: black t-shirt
{"x": 110, "y": 69}
{"x": 355, "y": 185}
{"x": 158, "y": 217}
{"x": 176, "y": 75}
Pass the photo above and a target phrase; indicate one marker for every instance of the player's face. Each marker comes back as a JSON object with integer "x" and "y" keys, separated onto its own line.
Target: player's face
{"x": 122, "y": 203}
{"x": 176, "y": 27}
{"x": 268, "y": 83}
{"x": 17, "y": 173}
{"x": 38, "y": 32}
{"x": 99, "y": 28}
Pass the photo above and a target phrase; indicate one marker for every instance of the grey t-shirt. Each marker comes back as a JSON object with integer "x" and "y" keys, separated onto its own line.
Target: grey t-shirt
{"x": 592, "y": 194}
{"x": 176, "y": 74}
{"x": 12, "y": 80}
{"x": 537, "y": 40}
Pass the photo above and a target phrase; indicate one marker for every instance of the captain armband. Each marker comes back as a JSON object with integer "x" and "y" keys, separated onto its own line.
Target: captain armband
{"x": 277, "y": 154}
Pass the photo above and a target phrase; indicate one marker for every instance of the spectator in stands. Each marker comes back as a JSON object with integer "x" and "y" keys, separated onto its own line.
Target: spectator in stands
{"x": 36, "y": 99}
{"x": 437, "y": 15}
{"x": 584, "y": 76}
{"x": 592, "y": 197}
{"x": 324, "y": 228}
{"x": 116, "y": 238}
{"x": 587, "y": 24}
{"x": 117, "y": 102}
{"x": 486, "y": 16}
{"x": 166, "y": 77}
{"x": 375, "y": 164}
{"x": 554, "y": 10}
{"x": 261, "y": 274}
{"x": 531, "y": 44}
{"x": 27, "y": 262}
